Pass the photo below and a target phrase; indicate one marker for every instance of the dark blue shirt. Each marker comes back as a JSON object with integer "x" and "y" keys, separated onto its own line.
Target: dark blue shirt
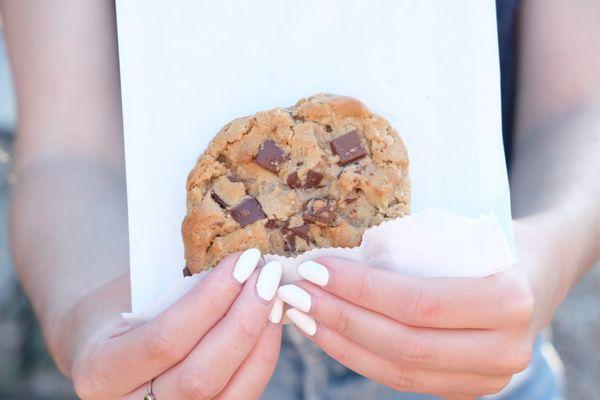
{"x": 507, "y": 35}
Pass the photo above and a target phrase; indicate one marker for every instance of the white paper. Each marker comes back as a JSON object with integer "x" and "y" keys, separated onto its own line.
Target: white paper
{"x": 430, "y": 243}
{"x": 188, "y": 67}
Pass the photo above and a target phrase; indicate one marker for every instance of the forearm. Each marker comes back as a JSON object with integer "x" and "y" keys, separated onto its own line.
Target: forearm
{"x": 69, "y": 237}
{"x": 555, "y": 189}
{"x": 554, "y": 178}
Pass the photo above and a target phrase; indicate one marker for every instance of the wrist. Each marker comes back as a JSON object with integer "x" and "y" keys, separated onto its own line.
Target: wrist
{"x": 547, "y": 259}
{"x": 69, "y": 331}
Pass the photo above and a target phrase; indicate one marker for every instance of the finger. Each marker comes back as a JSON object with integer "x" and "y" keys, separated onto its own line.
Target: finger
{"x": 399, "y": 378}
{"x": 146, "y": 351}
{"x": 252, "y": 377}
{"x": 414, "y": 347}
{"x": 494, "y": 301}
{"x": 208, "y": 368}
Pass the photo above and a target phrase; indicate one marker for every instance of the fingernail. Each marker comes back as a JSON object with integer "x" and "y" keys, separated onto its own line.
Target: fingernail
{"x": 246, "y": 264}
{"x": 295, "y": 296}
{"x": 304, "y": 322}
{"x": 268, "y": 280}
{"x": 276, "y": 312}
{"x": 314, "y": 272}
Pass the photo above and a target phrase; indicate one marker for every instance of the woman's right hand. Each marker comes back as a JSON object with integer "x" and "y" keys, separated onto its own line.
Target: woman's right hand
{"x": 216, "y": 342}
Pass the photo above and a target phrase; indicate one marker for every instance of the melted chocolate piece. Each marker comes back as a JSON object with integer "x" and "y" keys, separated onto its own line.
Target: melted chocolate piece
{"x": 320, "y": 211}
{"x": 289, "y": 236}
{"x": 218, "y": 200}
{"x": 348, "y": 148}
{"x": 247, "y": 212}
{"x": 270, "y": 157}
{"x": 301, "y": 231}
{"x": 272, "y": 224}
{"x": 351, "y": 200}
{"x": 293, "y": 181}
{"x": 187, "y": 272}
{"x": 313, "y": 179}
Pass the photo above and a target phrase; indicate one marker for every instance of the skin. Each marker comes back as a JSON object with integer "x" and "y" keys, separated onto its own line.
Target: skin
{"x": 452, "y": 337}
{"x": 463, "y": 338}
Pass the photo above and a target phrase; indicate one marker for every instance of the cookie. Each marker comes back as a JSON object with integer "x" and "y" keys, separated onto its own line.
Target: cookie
{"x": 285, "y": 181}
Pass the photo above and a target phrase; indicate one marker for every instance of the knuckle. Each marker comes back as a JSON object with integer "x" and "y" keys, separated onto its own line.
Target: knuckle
{"x": 365, "y": 286}
{"x": 341, "y": 320}
{"x": 520, "y": 358}
{"x": 213, "y": 298}
{"x": 341, "y": 352}
{"x": 193, "y": 385}
{"x": 426, "y": 306}
{"x": 522, "y": 301}
{"x": 85, "y": 382}
{"x": 496, "y": 385}
{"x": 411, "y": 348}
{"x": 402, "y": 381}
{"x": 247, "y": 328}
{"x": 159, "y": 345}
{"x": 269, "y": 357}
{"x": 82, "y": 384}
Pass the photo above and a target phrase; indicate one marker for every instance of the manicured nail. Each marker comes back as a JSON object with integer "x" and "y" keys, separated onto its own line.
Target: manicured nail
{"x": 314, "y": 272}
{"x": 268, "y": 280}
{"x": 295, "y": 296}
{"x": 304, "y": 322}
{"x": 246, "y": 264}
{"x": 276, "y": 312}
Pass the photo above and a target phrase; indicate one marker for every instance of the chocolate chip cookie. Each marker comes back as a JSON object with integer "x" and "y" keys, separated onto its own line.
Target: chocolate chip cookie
{"x": 317, "y": 174}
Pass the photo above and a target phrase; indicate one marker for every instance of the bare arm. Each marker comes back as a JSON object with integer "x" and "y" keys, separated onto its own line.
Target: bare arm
{"x": 68, "y": 212}
{"x": 69, "y": 231}
{"x": 555, "y": 182}
{"x": 386, "y": 326}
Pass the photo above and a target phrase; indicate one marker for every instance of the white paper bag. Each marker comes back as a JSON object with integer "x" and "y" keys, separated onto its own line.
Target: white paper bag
{"x": 430, "y": 67}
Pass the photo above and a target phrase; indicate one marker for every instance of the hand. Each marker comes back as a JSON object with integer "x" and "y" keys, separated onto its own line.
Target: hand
{"x": 459, "y": 338}
{"x": 214, "y": 343}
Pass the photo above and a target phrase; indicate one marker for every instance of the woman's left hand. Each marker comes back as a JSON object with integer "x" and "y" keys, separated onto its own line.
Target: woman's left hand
{"x": 459, "y": 338}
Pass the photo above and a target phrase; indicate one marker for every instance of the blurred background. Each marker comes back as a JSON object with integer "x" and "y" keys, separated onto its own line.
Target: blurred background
{"x": 27, "y": 372}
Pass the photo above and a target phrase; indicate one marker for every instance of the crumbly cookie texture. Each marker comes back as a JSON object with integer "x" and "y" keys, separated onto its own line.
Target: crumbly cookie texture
{"x": 317, "y": 174}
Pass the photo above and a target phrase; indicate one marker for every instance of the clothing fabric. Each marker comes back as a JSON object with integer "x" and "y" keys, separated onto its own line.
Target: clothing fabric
{"x": 507, "y": 17}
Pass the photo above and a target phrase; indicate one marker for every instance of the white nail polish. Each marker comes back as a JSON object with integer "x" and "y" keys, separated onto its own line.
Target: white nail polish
{"x": 295, "y": 296}
{"x": 276, "y": 312}
{"x": 246, "y": 264}
{"x": 314, "y": 272}
{"x": 268, "y": 280}
{"x": 304, "y": 322}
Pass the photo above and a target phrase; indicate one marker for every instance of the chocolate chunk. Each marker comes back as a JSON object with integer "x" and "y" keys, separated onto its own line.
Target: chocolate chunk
{"x": 313, "y": 179}
{"x": 290, "y": 234}
{"x": 301, "y": 231}
{"x": 247, "y": 212}
{"x": 320, "y": 211}
{"x": 293, "y": 181}
{"x": 218, "y": 200}
{"x": 270, "y": 157}
{"x": 350, "y": 200}
{"x": 186, "y": 272}
{"x": 348, "y": 148}
{"x": 272, "y": 224}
